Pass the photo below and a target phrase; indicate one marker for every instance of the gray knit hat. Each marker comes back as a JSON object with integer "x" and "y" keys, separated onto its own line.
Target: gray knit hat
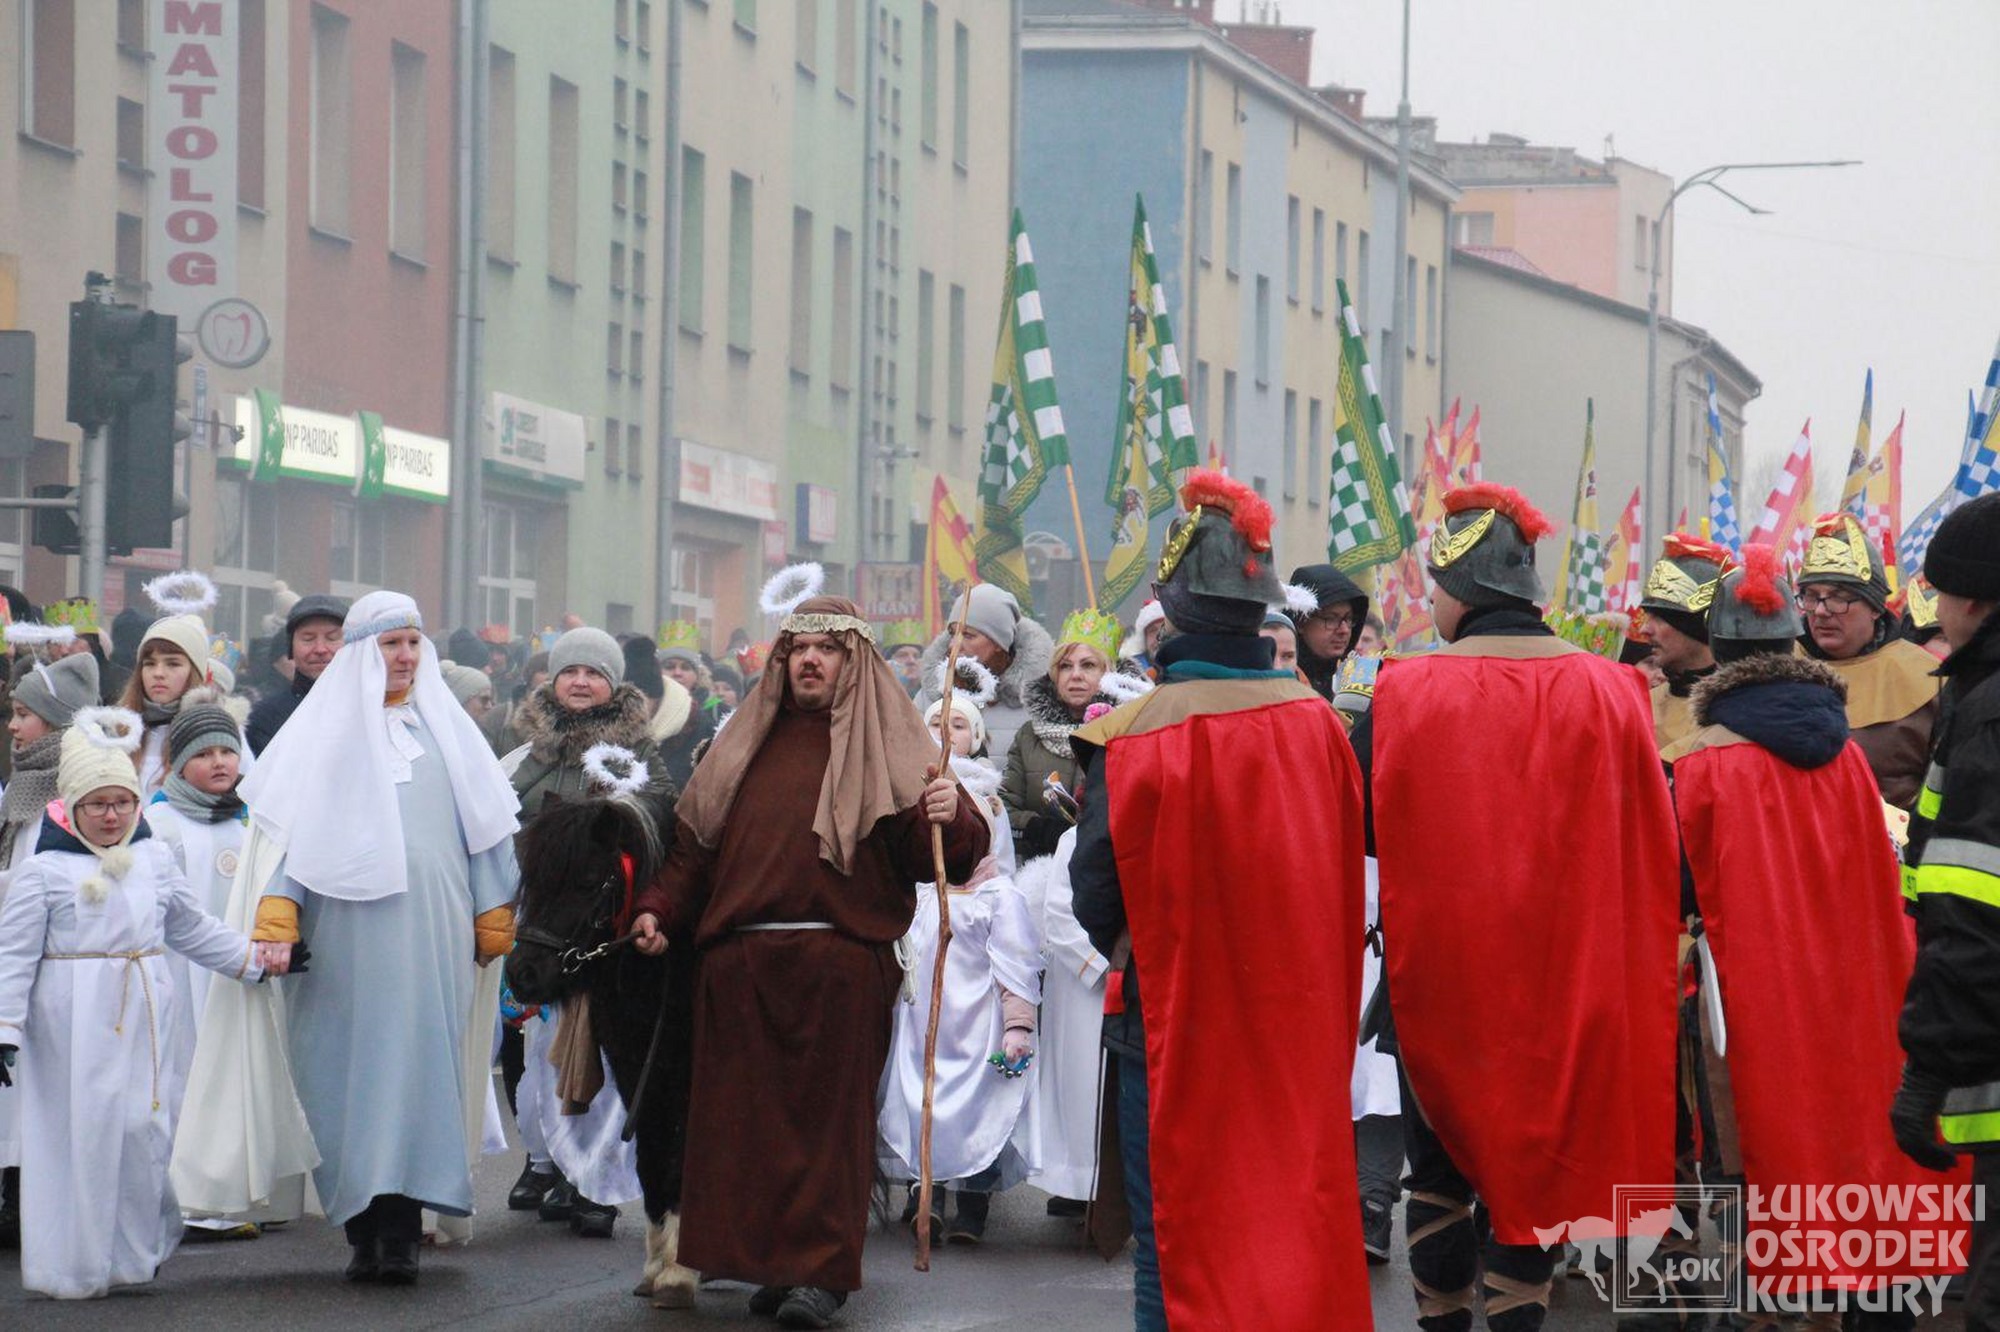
{"x": 1215, "y": 574}
{"x": 54, "y": 692}
{"x": 991, "y": 610}
{"x": 203, "y": 726}
{"x": 1483, "y": 551}
{"x": 589, "y": 647}
{"x": 465, "y": 682}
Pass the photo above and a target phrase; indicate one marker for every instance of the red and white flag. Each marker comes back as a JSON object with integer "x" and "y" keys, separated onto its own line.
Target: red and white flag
{"x": 1789, "y": 509}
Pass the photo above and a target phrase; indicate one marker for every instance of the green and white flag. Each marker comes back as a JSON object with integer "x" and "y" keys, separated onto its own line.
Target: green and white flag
{"x": 1368, "y": 511}
{"x": 1155, "y": 436}
{"x": 1024, "y": 424}
{"x": 1583, "y": 553}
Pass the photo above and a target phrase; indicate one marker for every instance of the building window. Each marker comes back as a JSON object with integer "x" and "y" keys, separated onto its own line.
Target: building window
{"x": 1431, "y": 311}
{"x": 926, "y": 360}
{"x": 638, "y": 285}
{"x": 407, "y": 175}
{"x": 618, "y": 267}
{"x": 132, "y": 27}
{"x": 1472, "y": 228}
{"x": 1319, "y": 260}
{"x": 565, "y": 148}
{"x": 741, "y": 236}
{"x": 246, "y": 556}
{"x": 1199, "y": 407}
{"x": 508, "y": 557}
{"x": 1289, "y": 473}
{"x": 642, "y": 26}
{"x": 1232, "y": 222}
{"x": 805, "y": 42}
{"x": 1292, "y": 243}
{"x": 1410, "y": 303}
{"x": 614, "y": 350}
{"x": 1315, "y": 452}
{"x": 131, "y": 134}
{"x": 1361, "y": 279}
{"x": 1204, "y": 209}
{"x": 332, "y": 101}
{"x": 621, "y": 192}
{"x": 1658, "y": 256}
{"x": 356, "y": 559}
{"x": 1228, "y": 415}
{"x": 614, "y": 446}
{"x": 954, "y": 369}
{"x": 250, "y": 103}
{"x": 500, "y": 154}
{"x": 961, "y": 95}
{"x": 48, "y": 74}
{"x": 694, "y": 196}
{"x": 621, "y": 21}
{"x": 745, "y": 14}
{"x": 642, "y": 115}
{"x": 802, "y": 288}
{"x": 1339, "y": 253}
{"x": 928, "y": 125}
{"x": 621, "y": 104}
{"x": 1263, "y": 331}
{"x": 639, "y": 196}
{"x": 846, "y": 40}
{"x": 840, "y": 333}
{"x": 635, "y": 450}
{"x": 635, "y": 362}
{"x": 129, "y": 255}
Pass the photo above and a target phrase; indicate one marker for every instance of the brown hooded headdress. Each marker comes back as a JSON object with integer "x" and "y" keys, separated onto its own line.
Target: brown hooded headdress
{"x": 880, "y": 746}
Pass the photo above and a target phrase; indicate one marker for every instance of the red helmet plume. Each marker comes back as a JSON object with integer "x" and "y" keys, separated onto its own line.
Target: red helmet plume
{"x": 1249, "y": 512}
{"x": 1758, "y": 588}
{"x": 1506, "y": 500}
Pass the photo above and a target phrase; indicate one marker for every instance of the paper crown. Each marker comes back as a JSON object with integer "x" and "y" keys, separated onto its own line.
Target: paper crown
{"x": 79, "y": 614}
{"x": 897, "y": 633}
{"x": 1357, "y": 675}
{"x": 221, "y": 648}
{"x": 1603, "y": 634}
{"x": 1092, "y": 628}
{"x": 684, "y": 635}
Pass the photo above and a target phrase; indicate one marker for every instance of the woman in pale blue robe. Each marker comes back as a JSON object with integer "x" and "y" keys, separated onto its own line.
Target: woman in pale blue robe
{"x": 398, "y": 869}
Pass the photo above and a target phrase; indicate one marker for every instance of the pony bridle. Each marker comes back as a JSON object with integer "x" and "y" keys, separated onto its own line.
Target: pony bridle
{"x": 572, "y": 958}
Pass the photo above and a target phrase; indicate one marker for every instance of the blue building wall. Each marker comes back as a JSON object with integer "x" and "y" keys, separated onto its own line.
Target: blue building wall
{"x": 1096, "y": 130}
{"x": 1258, "y": 456}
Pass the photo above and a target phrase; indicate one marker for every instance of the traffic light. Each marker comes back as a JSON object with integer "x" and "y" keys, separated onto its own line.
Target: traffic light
{"x": 123, "y": 365}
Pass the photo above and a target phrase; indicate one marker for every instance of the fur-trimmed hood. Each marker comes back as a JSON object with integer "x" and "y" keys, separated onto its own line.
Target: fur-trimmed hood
{"x": 1793, "y": 706}
{"x": 1051, "y": 719}
{"x": 560, "y": 737}
{"x": 1034, "y": 652}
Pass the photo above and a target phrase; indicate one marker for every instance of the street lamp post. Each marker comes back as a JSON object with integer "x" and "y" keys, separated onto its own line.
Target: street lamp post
{"x": 1707, "y": 176}
{"x": 1398, "y": 283}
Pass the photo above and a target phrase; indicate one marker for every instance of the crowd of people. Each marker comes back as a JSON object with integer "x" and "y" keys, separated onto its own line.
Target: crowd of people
{"x": 1482, "y": 930}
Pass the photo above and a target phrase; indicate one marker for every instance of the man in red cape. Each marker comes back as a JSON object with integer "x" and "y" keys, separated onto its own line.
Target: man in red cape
{"x": 1529, "y": 911}
{"x": 1799, "y": 892}
{"x": 1221, "y": 831}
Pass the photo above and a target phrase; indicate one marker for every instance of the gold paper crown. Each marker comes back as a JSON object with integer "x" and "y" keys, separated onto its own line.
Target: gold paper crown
{"x": 684, "y": 635}
{"x": 1357, "y": 675}
{"x": 1839, "y": 549}
{"x": 78, "y": 613}
{"x": 1093, "y": 628}
{"x": 905, "y": 631}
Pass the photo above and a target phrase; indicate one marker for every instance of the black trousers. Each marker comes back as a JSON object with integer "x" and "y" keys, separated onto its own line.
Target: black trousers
{"x": 388, "y": 1216}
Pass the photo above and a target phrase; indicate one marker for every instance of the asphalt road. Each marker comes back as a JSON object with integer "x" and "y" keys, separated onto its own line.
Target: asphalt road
{"x": 522, "y": 1273}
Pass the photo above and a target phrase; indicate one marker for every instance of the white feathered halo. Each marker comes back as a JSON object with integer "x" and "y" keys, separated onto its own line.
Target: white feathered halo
{"x": 790, "y": 588}
{"x": 29, "y": 634}
{"x": 189, "y": 592}
{"x": 616, "y": 770}
{"x": 111, "y": 728}
{"x": 984, "y": 686}
{"x": 1123, "y": 688}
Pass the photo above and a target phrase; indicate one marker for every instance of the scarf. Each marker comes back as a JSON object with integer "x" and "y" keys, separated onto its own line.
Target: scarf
{"x": 160, "y": 714}
{"x": 875, "y": 769}
{"x": 199, "y": 805}
{"x": 29, "y": 790}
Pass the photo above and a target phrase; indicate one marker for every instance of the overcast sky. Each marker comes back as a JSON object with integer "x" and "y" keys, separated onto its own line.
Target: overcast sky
{"x": 1893, "y": 264}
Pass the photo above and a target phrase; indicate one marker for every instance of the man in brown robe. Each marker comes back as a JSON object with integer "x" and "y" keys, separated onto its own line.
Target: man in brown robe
{"x": 803, "y": 834}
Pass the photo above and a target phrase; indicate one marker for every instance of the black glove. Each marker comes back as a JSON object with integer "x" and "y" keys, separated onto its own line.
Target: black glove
{"x": 1040, "y": 835}
{"x": 1913, "y": 1117}
{"x": 7, "y": 1064}
{"x": 300, "y": 956}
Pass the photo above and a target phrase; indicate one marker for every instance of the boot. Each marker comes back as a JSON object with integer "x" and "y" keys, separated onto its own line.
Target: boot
{"x": 968, "y": 1225}
{"x": 10, "y": 1208}
{"x": 937, "y": 1208}
{"x": 364, "y": 1264}
{"x": 810, "y": 1307}
{"x": 592, "y": 1220}
{"x": 1444, "y": 1260}
{"x": 1378, "y": 1225}
{"x": 674, "y": 1287}
{"x": 560, "y": 1202}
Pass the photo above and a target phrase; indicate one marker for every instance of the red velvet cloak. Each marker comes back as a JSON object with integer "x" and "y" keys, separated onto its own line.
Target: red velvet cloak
{"x": 1530, "y": 903}
{"x": 1236, "y": 818}
{"x": 1800, "y": 892}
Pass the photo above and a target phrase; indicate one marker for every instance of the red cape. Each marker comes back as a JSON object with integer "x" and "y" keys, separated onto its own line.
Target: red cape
{"x": 1530, "y": 902}
{"x": 1236, "y": 818}
{"x": 1801, "y": 895}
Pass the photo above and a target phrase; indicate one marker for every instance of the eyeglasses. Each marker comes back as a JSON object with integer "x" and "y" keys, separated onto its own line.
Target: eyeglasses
{"x": 101, "y": 809}
{"x": 1334, "y": 620}
{"x": 1837, "y": 603}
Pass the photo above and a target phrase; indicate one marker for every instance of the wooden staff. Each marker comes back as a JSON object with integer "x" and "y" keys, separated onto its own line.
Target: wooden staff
{"x": 1082, "y": 545}
{"x": 937, "y": 968}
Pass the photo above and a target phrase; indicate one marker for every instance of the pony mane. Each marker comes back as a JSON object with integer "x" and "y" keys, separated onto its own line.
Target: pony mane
{"x": 560, "y": 849}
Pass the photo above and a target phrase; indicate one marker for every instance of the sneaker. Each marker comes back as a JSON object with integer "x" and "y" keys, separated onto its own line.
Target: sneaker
{"x": 968, "y": 1224}
{"x": 810, "y": 1307}
{"x": 1378, "y": 1224}
{"x": 768, "y": 1300}
{"x": 532, "y": 1187}
{"x": 560, "y": 1202}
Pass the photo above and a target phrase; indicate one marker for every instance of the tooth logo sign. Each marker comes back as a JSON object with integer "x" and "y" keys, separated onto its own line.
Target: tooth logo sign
{"x": 233, "y": 333}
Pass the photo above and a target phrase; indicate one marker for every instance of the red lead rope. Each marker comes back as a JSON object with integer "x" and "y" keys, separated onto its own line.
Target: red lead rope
{"x": 624, "y": 921}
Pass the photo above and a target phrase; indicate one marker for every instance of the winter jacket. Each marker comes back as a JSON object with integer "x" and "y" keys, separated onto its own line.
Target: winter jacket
{"x": 1041, "y": 747}
{"x": 1950, "y": 1025}
{"x": 1034, "y": 652}
{"x": 1332, "y": 587}
{"x": 272, "y": 712}
{"x": 550, "y": 765}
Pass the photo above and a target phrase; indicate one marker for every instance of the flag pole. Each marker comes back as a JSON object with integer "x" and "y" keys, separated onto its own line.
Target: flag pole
{"x": 943, "y": 886}
{"x": 1082, "y": 545}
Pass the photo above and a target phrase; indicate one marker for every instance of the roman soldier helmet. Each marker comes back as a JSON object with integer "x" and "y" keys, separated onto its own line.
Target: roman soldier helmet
{"x": 1840, "y": 553}
{"x": 1682, "y": 585}
{"x": 1483, "y": 550}
{"x": 1753, "y": 610}
{"x": 1215, "y": 574}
